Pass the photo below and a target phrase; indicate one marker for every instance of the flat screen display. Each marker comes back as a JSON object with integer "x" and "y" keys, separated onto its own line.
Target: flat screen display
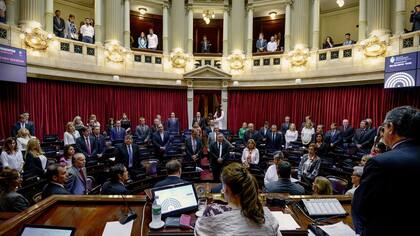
{"x": 42, "y": 230}
{"x": 176, "y": 198}
{"x": 12, "y": 64}
{"x": 402, "y": 71}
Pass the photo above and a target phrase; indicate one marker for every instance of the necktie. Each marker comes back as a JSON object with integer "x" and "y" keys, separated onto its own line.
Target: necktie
{"x": 161, "y": 136}
{"x": 220, "y": 150}
{"x": 88, "y": 146}
{"x": 274, "y": 136}
{"x": 130, "y": 156}
{"x": 193, "y": 145}
{"x": 118, "y": 131}
{"x": 82, "y": 174}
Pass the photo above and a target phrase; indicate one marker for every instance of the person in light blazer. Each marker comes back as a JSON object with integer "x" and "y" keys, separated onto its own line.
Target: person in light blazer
{"x": 77, "y": 177}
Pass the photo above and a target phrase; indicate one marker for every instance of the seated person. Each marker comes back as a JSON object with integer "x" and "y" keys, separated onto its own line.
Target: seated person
{"x": 118, "y": 177}
{"x": 355, "y": 179}
{"x": 56, "y": 177}
{"x": 10, "y": 200}
{"x": 173, "y": 169}
{"x": 322, "y": 186}
{"x": 11, "y": 156}
{"x": 86, "y": 144}
{"x": 193, "y": 147}
{"x": 244, "y": 214}
{"x": 309, "y": 165}
{"x": 284, "y": 183}
{"x": 365, "y": 159}
{"x": 67, "y": 159}
{"x": 76, "y": 181}
{"x": 271, "y": 174}
{"x": 250, "y": 154}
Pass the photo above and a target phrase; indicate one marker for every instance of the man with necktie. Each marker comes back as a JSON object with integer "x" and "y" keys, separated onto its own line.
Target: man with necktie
{"x": 274, "y": 139}
{"x": 76, "y": 182}
{"x": 118, "y": 132}
{"x": 143, "y": 131}
{"x": 128, "y": 154}
{"x": 172, "y": 124}
{"x": 264, "y": 131}
{"x": 347, "y": 132}
{"x": 160, "y": 140}
{"x": 205, "y": 45}
{"x": 193, "y": 147}
{"x": 21, "y": 123}
{"x": 333, "y": 137}
{"x": 219, "y": 152}
{"x": 86, "y": 144}
{"x": 362, "y": 140}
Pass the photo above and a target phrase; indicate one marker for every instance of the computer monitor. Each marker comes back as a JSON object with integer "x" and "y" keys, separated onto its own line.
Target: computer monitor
{"x": 176, "y": 199}
{"x": 42, "y": 230}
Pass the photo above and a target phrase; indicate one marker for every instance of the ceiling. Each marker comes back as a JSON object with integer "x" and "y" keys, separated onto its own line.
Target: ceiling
{"x": 87, "y": 3}
{"x": 330, "y": 5}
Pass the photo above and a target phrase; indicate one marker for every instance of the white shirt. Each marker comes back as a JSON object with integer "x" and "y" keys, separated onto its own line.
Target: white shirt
{"x": 351, "y": 191}
{"x": 14, "y": 161}
{"x": 23, "y": 142}
{"x": 271, "y": 46}
{"x": 290, "y": 136}
{"x": 306, "y": 135}
{"x": 87, "y": 30}
{"x": 43, "y": 160}
{"x": 2, "y": 5}
{"x": 255, "y": 156}
{"x": 69, "y": 138}
{"x": 271, "y": 174}
{"x": 219, "y": 120}
{"x": 152, "y": 41}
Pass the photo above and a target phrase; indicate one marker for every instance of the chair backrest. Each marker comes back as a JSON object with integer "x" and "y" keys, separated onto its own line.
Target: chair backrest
{"x": 339, "y": 184}
{"x": 90, "y": 183}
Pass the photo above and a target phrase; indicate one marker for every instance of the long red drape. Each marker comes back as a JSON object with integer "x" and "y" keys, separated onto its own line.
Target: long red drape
{"x": 52, "y": 104}
{"x": 324, "y": 105}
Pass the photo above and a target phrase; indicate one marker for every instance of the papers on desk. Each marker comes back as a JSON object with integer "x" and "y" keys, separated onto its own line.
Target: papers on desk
{"x": 286, "y": 221}
{"x": 113, "y": 228}
{"x": 338, "y": 229}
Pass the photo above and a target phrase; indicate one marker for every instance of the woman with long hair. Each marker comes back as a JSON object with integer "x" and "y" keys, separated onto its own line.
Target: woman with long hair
{"x": 10, "y": 200}
{"x": 244, "y": 214}
{"x": 218, "y": 116}
{"x": 67, "y": 159}
{"x": 322, "y": 186}
{"x": 71, "y": 134}
{"x": 35, "y": 161}
{"x": 329, "y": 43}
{"x": 11, "y": 156}
{"x": 250, "y": 154}
{"x": 23, "y": 137}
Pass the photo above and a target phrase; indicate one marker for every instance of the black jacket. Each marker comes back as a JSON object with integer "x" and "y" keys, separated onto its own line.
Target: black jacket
{"x": 52, "y": 189}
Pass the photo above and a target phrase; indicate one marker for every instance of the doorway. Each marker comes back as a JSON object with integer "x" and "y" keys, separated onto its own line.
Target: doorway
{"x": 206, "y": 101}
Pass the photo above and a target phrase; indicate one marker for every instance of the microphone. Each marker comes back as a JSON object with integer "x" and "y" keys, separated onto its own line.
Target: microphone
{"x": 129, "y": 216}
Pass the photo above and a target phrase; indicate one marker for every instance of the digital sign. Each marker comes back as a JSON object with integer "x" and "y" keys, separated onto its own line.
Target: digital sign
{"x": 12, "y": 64}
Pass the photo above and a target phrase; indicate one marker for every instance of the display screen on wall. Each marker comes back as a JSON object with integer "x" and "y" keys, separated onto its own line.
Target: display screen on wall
{"x": 402, "y": 70}
{"x": 12, "y": 64}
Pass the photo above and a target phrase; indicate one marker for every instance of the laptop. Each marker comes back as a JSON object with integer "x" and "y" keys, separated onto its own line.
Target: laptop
{"x": 42, "y": 230}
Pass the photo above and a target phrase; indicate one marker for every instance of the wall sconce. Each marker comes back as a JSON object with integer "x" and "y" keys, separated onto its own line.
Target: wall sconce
{"x": 115, "y": 52}
{"x": 373, "y": 47}
{"x": 207, "y": 14}
{"x": 36, "y": 38}
{"x": 272, "y": 14}
{"x": 340, "y": 3}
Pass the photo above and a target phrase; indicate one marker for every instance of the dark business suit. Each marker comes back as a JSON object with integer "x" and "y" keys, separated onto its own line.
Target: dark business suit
{"x": 364, "y": 137}
{"x": 172, "y": 125}
{"x": 263, "y": 132}
{"x": 13, "y": 202}
{"x": 252, "y": 135}
{"x": 158, "y": 142}
{"x": 53, "y": 189}
{"x": 28, "y": 125}
{"x": 389, "y": 180}
{"x": 201, "y": 122}
{"x": 415, "y": 19}
{"x": 123, "y": 157}
{"x": 347, "y": 134}
{"x": 284, "y": 127}
{"x": 189, "y": 148}
{"x": 83, "y": 148}
{"x": 285, "y": 186}
{"x": 100, "y": 143}
{"x": 170, "y": 180}
{"x": 205, "y": 46}
{"x": 261, "y": 43}
{"x": 113, "y": 188}
{"x": 143, "y": 133}
{"x": 117, "y": 134}
{"x": 333, "y": 137}
{"x": 274, "y": 144}
{"x": 59, "y": 26}
{"x": 33, "y": 166}
{"x": 217, "y": 167}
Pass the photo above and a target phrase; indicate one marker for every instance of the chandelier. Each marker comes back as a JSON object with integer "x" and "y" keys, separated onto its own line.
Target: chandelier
{"x": 340, "y": 3}
{"x": 207, "y": 15}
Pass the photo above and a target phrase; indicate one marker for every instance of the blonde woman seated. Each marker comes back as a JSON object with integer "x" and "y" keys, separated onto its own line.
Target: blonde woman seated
{"x": 322, "y": 186}
{"x": 307, "y": 132}
{"x": 71, "y": 134}
{"x": 250, "y": 154}
{"x": 244, "y": 214}
{"x": 23, "y": 137}
{"x": 291, "y": 135}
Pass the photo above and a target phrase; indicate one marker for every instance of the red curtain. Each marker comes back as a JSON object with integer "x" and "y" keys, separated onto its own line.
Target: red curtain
{"x": 324, "y": 105}
{"x": 52, "y": 104}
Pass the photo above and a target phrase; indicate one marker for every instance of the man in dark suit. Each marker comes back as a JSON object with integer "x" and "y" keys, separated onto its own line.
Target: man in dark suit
{"x": 173, "y": 169}
{"x": 205, "y": 45}
{"x": 363, "y": 138}
{"x": 160, "y": 141}
{"x": 100, "y": 141}
{"x": 172, "y": 124}
{"x": 347, "y": 132}
{"x": 193, "y": 147}
{"x": 29, "y": 124}
{"x": 200, "y": 120}
{"x": 59, "y": 24}
{"x": 415, "y": 18}
{"x": 77, "y": 181}
{"x": 86, "y": 144}
{"x": 118, "y": 177}
{"x": 333, "y": 137}
{"x": 219, "y": 152}
{"x": 57, "y": 177}
{"x": 143, "y": 131}
{"x": 128, "y": 154}
{"x": 251, "y": 133}
{"x": 118, "y": 132}
{"x": 285, "y": 125}
{"x": 261, "y": 43}
{"x": 389, "y": 174}
{"x": 274, "y": 139}
{"x": 264, "y": 131}
{"x": 284, "y": 184}
{"x": 21, "y": 123}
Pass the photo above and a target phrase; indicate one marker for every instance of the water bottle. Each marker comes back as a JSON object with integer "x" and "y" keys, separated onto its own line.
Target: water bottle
{"x": 156, "y": 211}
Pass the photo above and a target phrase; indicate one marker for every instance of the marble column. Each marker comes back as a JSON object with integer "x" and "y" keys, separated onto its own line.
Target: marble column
{"x": 178, "y": 21}
{"x": 287, "y": 29}
{"x": 315, "y": 26}
{"x": 224, "y": 97}
{"x": 190, "y": 105}
{"x": 12, "y": 13}
{"x": 249, "y": 42}
{"x": 190, "y": 30}
{"x": 379, "y": 17}
{"x": 98, "y": 21}
{"x": 32, "y": 13}
{"x": 114, "y": 24}
{"x": 49, "y": 14}
{"x": 238, "y": 16}
{"x": 362, "y": 20}
{"x": 127, "y": 43}
{"x": 225, "y": 31}
{"x": 165, "y": 45}
{"x": 300, "y": 23}
{"x": 399, "y": 16}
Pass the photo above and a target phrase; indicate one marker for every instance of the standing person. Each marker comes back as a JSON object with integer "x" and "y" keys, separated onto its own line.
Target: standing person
{"x": 309, "y": 165}
{"x": 347, "y": 39}
{"x": 152, "y": 40}
{"x": 11, "y": 156}
{"x": 56, "y": 176}
{"x": 306, "y": 134}
{"x": 23, "y": 138}
{"x": 244, "y": 214}
{"x": 355, "y": 179}
{"x": 200, "y": 120}
{"x": 242, "y": 130}
{"x": 272, "y": 45}
{"x": 285, "y": 125}
{"x": 205, "y": 45}
{"x": 160, "y": 140}
{"x": 143, "y": 131}
{"x": 70, "y": 31}
{"x": 172, "y": 124}
{"x": 142, "y": 41}
{"x": 67, "y": 159}
{"x": 125, "y": 123}
{"x": 86, "y": 144}
{"x": 395, "y": 171}
{"x": 116, "y": 184}
{"x": 35, "y": 161}
{"x": 291, "y": 135}
{"x": 219, "y": 151}
{"x": 271, "y": 173}
{"x": 329, "y": 43}
{"x": 87, "y": 31}
{"x": 117, "y": 133}
{"x": 250, "y": 154}
{"x": 218, "y": 116}
{"x": 59, "y": 24}
{"x": 76, "y": 182}
{"x": 347, "y": 132}
{"x": 71, "y": 134}
{"x": 415, "y": 18}
{"x": 261, "y": 43}
{"x": 193, "y": 147}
